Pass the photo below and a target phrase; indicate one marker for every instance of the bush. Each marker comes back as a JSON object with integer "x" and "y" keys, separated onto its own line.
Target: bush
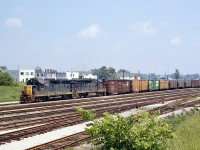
{"x": 6, "y": 80}
{"x": 137, "y": 132}
{"x": 86, "y": 114}
{"x": 176, "y": 119}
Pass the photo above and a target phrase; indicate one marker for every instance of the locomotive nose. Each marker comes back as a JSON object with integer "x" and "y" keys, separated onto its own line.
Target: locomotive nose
{"x": 28, "y": 90}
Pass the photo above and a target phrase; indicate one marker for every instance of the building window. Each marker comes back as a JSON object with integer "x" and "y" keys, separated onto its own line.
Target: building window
{"x": 22, "y": 73}
{"x": 41, "y": 75}
{"x": 26, "y": 79}
{"x": 37, "y": 75}
{"x": 31, "y": 73}
{"x": 27, "y": 73}
{"x": 13, "y": 73}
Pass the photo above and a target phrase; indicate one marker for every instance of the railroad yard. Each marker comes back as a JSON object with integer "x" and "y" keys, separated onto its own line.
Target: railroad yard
{"x": 99, "y": 75}
{"x": 57, "y": 124}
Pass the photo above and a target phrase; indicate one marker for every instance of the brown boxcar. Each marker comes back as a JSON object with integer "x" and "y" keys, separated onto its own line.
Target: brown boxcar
{"x": 173, "y": 84}
{"x": 181, "y": 83}
{"x": 188, "y": 83}
{"x": 164, "y": 84}
{"x": 195, "y": 83}
{"x": 117, "y": 86}
{"x": 139, "y": 85}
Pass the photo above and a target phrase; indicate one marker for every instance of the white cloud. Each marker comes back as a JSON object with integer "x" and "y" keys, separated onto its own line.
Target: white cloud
{"x": 143, "y": 28}
{"x": 13, "y": 22}
{"x": 91, "y": 31}
{"x": 176, "y": 40}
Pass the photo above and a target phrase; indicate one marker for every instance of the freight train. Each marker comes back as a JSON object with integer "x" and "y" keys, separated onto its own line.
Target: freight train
{"x": 41, "y": 90}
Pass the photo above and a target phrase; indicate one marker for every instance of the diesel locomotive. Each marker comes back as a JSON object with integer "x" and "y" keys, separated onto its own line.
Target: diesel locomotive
{"x": 41, "y": 90}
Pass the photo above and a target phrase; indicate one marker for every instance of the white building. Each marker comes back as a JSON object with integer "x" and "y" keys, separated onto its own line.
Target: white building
{"x": 39, "y": 75}
{"x": 22, "y": 75}
{"x": 67, "y": 75}
{"x": 72, "y": 75}
{"x": 89, "y": 76}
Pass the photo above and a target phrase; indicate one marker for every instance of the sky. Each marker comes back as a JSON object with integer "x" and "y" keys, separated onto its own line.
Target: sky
{"x": 152, "y": 36}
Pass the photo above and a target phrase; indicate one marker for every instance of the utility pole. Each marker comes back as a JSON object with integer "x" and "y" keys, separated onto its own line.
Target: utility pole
{"x": 123, "y": 73}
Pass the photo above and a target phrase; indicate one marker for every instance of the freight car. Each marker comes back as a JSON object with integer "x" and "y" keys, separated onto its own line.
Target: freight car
{"x": 139, "y": 85}
{"x": 117, "y": 86}
{"x": 188, "y": 84}
{"x": 154, "y": 85}
{"x": 173, "y": 84}
{"x": 164, "y": 84}
{"x": 195, "y": 83}
{"x": 38, "y": 90}
{"x": 181, "y": 83}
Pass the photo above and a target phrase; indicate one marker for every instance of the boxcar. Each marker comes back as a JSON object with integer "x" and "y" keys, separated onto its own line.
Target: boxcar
{"x": 181, "y": 83}
{"x": 195, "y": 83}
{"x": 188, "y": 83}
{"x": 117, "y": 86}
{"x": 139, "y": 85}
{"x": 164, "y": 84}
{"x": 154, "y": 85}
{"x": 173, "y": 84}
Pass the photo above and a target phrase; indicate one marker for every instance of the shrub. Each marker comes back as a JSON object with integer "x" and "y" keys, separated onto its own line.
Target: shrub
{"x": 136, "y": 132}
{"x": 86, "y": 114}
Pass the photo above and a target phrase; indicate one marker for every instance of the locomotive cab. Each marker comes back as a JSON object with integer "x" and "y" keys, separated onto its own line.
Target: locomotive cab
{"x": 30, "y": 90}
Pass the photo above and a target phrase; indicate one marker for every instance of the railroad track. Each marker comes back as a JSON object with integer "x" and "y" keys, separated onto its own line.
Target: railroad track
{"x": 64, "y": 142}
{"x": 79, "y": 102}
{"x": 71, "y": 101}
{"x": 118, "y": 107}
{"x": 52, "y": 116}
{"x": 74, "y": 139}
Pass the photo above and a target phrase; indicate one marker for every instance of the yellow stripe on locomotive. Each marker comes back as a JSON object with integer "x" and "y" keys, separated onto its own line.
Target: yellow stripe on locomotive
{"x": 28, "y": 90}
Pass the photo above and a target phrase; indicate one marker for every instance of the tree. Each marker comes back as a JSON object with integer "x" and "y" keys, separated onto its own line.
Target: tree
{"x": 6, "y": 79}
{"x": 105, "y": 73}
{"x": 3, "y": 67}
{"x": 136, "y": 132}
{"x": 38, "y": 69}
{"x": 177, "y": 74}
{"x": 112, "y": 73}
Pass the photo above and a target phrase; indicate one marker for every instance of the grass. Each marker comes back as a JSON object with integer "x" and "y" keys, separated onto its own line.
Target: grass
{"x": 187, "y": 131}
{"x": 10, "y": 93}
